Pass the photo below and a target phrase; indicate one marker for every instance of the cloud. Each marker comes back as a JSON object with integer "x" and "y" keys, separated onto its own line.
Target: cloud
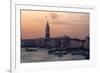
{"x": 53, "y": 15}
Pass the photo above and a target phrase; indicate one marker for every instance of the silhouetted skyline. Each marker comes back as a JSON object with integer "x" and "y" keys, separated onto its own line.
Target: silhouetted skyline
{"x": 33, "y": 24}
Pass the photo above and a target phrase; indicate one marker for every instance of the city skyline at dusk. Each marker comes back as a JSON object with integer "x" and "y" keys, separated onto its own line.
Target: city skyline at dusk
{"x": 73, "y": 24}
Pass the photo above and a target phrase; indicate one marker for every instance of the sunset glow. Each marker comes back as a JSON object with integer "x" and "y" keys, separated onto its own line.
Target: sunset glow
{"x": 33, "y": 24}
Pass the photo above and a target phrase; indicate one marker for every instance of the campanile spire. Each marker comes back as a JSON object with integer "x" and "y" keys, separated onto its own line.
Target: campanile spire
{"x": 47, "y": 32}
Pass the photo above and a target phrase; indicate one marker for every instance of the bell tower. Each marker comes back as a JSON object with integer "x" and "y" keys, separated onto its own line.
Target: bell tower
{"x": 47, "y": 32}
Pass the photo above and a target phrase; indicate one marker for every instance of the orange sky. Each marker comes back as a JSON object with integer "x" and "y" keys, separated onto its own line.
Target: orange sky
{"x": 33, "y": 24}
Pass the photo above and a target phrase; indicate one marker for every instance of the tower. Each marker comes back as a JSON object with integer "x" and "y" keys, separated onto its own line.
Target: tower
{"x": 47, "y": 32}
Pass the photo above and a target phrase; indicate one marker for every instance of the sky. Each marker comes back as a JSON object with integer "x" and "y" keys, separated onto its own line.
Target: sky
{"x": 73, "y": 24}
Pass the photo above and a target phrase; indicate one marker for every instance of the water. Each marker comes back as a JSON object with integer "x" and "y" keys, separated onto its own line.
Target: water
{"x": 42, "y": 56}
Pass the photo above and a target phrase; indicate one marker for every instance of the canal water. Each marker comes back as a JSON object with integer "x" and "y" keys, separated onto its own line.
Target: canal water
{"x": 42, "y": 56}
